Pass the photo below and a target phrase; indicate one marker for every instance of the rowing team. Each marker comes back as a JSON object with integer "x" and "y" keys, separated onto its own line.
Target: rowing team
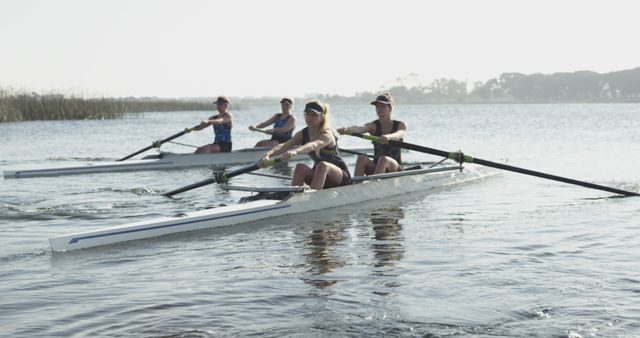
{"x": 317, "y": 140}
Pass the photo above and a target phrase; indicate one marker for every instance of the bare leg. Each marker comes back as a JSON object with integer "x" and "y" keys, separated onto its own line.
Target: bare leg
{"x": 363, "y": 165}
{"x": 301, "y": 174}
{"x": 266, "y": 143}
{"x": 386, "y": 165}
{"x": 209, "y": 148}
{"x": 326, "y": 174}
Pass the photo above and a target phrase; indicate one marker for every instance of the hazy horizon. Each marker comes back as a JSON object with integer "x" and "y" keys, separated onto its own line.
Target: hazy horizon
{"x": 269, "y": 49}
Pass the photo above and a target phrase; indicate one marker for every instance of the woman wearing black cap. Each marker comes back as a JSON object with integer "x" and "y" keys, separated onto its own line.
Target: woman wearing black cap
{"x": 386, "y": 158}
{"x": 283, "y": 125}
{"x": 317, "y": 140}
{"x": 222, "y": 124}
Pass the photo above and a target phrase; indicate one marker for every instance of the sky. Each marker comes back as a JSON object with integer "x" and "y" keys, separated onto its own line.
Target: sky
{"x": 189, "y": 48}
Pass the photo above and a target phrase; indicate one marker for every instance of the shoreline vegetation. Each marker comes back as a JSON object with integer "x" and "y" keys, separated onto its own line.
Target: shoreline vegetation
{"x": 577, "y": 87}
{"x": 23, "y": 106}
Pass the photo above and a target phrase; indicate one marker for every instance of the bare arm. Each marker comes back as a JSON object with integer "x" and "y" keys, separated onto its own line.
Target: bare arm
{"x": 214, "y": 121}
{"x": 396, "y": 136}
{"x": 228, "y": 119}
{"x": 367, "y": 128}
{"x": 283, "y": 147}
{"x": 325, "y": 139}
{"x": 204, "y": 124}
{"x": 264, "y": 124}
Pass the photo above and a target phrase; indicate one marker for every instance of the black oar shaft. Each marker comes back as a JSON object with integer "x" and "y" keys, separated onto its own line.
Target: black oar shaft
{"x": 158, "y": 143}
{"x": 226, "y": 176}
{"x": 354, "y": 152}
{"x": 469, "y": 159}
{"x": 221, "y": 177}
{"x": 552, "y": 177}
{"x": 190, "y": 187}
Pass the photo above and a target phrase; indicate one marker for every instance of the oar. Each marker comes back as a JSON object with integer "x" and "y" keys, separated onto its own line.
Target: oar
{"x": 354, "y": 152}
{"x": 261, "y": 131}
{"x": 460, "y": 157}
{"x": 341, "y": 149}
{"x": 282, "y": 177}
{"x": 222, "y": 177}
{"x": 158, "y": 143}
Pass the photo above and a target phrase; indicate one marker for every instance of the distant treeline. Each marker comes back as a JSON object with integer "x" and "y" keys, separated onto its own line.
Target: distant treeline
{"x": 582, "y": 86}
{"x": 22, "y": 106}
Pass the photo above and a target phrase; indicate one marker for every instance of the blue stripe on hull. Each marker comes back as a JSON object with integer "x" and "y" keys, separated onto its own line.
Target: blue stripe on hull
{"x": 78, "y": 239}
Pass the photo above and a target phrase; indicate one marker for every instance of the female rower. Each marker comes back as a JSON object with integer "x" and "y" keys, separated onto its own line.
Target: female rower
{"x": 222, "y": 124}
{"x": 283, "y": 125}
{"x": 317, "y": 140}
{"x": 386, "y": 158}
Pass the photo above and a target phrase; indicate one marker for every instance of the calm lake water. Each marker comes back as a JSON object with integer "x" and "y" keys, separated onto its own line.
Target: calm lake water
{"x": 508, "y": 255}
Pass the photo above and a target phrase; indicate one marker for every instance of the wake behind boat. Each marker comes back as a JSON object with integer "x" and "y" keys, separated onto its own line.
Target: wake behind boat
{"x": 158, "y": 162}
{"x": 273, "y": 202}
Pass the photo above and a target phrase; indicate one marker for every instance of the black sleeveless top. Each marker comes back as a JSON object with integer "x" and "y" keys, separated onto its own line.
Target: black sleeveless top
{"x": 385, "y": 149}
{"x": 329, "y": 154}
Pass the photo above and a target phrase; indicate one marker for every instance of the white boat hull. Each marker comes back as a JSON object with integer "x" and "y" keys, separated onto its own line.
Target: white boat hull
{"x": 167, "y": 161}
{"x": 306, "y": 201}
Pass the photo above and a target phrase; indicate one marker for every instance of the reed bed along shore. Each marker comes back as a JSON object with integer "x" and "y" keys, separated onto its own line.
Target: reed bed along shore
{"x": 23, "y": 106}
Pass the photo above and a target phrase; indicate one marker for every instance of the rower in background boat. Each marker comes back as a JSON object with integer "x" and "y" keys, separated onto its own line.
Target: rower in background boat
{"x": 386, "y": 158}
{"x": 222, "y": 124}
{"x": 317, "y": 140}
{"x": 283, "y": 125}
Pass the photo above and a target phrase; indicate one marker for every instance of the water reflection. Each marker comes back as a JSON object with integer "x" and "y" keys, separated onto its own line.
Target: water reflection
{"x": 320, "y": 259}
{"x": 388, "y": 237}
{"x": 283, "y": 169}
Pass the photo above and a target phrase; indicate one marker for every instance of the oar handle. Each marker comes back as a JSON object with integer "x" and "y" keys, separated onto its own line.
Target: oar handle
{"x": 158, "y": 143}
{"x": 261, "y": 131}
{"x": 364, "y": 136}
{"x": 453, "y": 155}
{"x": 399, "y": 144}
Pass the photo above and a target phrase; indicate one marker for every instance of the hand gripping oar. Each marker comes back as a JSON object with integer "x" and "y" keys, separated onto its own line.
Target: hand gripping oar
{"x": 261, "y": 131}
{"x": 158, "y": 143}
{"x": 222, "y": 177}
{"x": 341, "y": 149}
{"x": 461, "y": 158}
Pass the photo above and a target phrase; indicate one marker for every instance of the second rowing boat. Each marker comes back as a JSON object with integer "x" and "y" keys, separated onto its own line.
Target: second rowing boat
{"x": 158, "y": 162}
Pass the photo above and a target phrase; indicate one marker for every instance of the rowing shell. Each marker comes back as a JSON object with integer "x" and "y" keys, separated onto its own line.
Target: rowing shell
{"x": 298, "y": 200}
{"x": 163, "y": 161}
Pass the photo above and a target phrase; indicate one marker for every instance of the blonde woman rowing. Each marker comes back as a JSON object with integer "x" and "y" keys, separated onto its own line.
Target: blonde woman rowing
{"x": 317, "y": 140}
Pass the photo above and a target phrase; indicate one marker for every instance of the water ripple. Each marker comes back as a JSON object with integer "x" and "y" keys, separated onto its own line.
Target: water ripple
{"x": 506, "y": 256}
